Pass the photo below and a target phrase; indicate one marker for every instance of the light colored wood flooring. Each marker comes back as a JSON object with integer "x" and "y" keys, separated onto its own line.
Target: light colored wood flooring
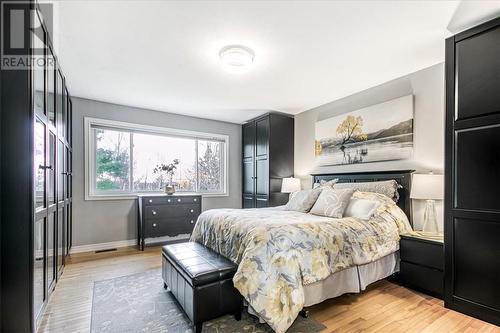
{"x": 384, "y": 307}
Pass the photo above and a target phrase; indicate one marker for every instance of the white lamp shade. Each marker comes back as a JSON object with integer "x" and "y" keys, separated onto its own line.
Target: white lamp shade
{"x": 290, "y": 185}
{"x": 427, "y": 187}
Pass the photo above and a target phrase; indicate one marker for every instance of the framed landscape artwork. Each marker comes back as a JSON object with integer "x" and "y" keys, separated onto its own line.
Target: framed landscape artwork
{"x": 381, "y": 132}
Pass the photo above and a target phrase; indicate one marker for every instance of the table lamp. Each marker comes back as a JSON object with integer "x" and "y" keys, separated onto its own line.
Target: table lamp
{"x": 429, "y": 187}
{"x": 290, "y": 185}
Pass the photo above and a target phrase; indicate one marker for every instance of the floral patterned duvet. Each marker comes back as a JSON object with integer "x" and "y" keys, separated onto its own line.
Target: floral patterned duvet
{"x": 280, "y": 251}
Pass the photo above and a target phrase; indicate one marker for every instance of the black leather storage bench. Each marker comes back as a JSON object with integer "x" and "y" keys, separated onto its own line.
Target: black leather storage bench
{"x": 201, "y": 281}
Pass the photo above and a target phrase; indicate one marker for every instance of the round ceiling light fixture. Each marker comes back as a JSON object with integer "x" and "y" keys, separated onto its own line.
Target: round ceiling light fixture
{"x": 237, "y": 57}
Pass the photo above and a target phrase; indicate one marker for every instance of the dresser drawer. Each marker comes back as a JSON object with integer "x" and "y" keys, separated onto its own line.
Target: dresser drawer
{"x": 422, "y": 252}
{"x": 168, "y": 226}
{"x": 167, "y": 200}
{"x": 422, "y": 278}
{"x": 167, "y": 211}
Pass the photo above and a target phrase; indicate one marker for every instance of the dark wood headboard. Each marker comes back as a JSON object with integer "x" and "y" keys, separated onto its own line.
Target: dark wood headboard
{"x": 402, "y": 177}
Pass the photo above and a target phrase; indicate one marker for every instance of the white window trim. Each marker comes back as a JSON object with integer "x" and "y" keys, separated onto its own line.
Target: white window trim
{"x": 90, "y": 160}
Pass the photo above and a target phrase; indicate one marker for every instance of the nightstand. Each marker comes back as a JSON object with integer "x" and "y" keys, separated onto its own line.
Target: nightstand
{"x": 422, "y": 264}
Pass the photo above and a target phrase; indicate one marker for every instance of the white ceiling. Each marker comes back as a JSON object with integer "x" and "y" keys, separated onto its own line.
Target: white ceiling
{"x": 163, "y": 55}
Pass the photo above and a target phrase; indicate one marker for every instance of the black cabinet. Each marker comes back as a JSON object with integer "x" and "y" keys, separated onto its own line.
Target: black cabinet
{"x": 267, "y": 159}
{"x": 166, "y": 215}
{"x": 36, "y": 175}
{"x": 422, "y": 264}
{"x": 472, "y": 172}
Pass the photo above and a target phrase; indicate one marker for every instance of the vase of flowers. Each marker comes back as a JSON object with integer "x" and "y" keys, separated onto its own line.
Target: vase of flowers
{"x": 169, "y": 170}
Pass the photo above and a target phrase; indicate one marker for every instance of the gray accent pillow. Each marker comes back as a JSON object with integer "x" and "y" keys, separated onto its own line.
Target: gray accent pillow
{"x": 389, "y": 188}
{"x": 302, "y": 201}
{"x": 332, "y": 202}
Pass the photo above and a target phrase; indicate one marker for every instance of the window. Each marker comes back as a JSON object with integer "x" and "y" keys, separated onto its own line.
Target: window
{"x": 124, "y": 159}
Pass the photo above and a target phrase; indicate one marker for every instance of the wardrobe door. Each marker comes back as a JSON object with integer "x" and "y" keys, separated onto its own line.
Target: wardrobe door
{"x": 262, "y": 161}
{"x": 40, "y": 201}
{"x": 248, "y": 167}
{"x": 478, "y": 76}
{"x": 472, "y": 196}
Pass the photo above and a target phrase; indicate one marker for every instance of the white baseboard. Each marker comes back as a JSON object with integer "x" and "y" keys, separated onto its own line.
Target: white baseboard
{"x": 103, "y": 246}
{"x": 125, "y": 243}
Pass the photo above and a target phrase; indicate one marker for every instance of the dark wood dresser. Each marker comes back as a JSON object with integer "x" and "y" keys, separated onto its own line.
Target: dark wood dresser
{"x": 166, "y": 215}
{"x": 422, "y": 264}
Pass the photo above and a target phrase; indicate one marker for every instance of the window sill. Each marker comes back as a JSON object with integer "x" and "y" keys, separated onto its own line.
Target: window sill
{"x": 104, "y": 197}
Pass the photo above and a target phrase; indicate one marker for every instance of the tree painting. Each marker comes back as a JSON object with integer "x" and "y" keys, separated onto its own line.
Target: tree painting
{"x": 379, "y": 132}
{"x": 351, "y": 130}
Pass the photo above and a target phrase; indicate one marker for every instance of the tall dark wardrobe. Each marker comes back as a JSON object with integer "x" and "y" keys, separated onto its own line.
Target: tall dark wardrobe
{"x": 472, "y": 169}
{"x": 36, "y": 174}
{"x": 267, "y": 159}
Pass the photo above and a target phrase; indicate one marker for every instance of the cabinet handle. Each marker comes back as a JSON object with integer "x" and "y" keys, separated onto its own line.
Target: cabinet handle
{"x": 150, "y": 200}
{"x": 192, "y": 210}
{"x": 168, "y": 200}
{"x": 192, "y": 221}
{"x": 154, "y": 213}
{"x": 195, "y": 199}
{"x": 44, "y": 167}
{"x": 154, "y": 225}
{"x": 178, "y": 200}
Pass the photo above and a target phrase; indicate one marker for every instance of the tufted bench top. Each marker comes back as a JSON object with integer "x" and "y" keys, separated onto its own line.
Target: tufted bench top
{"x": 198, "y": 264}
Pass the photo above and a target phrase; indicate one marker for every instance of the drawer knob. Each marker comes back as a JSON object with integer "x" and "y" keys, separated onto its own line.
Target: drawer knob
{"x": 192, "y": 221}
{"x": 150, "y": 200}
{"x": 195, "y": 199}
{"x": 178, "y": 200}
{"x": 154, "y": 213}
{"x": 154, "y": 225}
{"x": 192, "y": 210}
{"x": 168, "y": 200}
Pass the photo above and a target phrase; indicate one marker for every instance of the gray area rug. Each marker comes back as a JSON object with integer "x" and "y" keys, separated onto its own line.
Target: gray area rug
{"x": 138, "y": 303}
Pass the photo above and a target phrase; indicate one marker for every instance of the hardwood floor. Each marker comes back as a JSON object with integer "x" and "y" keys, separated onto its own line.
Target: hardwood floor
{"x": 384, "y": 307}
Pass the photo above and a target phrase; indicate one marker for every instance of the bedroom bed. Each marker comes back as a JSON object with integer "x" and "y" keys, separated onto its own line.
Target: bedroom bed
{"x": 289, "y": 260}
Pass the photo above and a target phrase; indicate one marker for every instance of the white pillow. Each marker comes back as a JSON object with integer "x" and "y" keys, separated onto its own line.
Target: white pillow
{"x": 361, "y": 208}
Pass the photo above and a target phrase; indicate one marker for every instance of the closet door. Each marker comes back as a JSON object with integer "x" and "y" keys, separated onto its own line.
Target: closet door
{"x": 248, "y": 165}
{"x": 42, "y": 167}
{"x": 61, "y": 180}
{"x": 472, "y": 197}
{"x": 69, "y": 162}
{"x": 262, "y": 162}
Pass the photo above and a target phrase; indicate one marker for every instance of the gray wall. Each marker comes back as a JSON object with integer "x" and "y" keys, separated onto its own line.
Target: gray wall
{"x": 427, "y": 86}
{"x": 115, "y": 220}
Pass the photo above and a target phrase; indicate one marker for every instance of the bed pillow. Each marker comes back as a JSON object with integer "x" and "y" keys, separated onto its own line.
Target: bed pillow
{"x": 361, "y": 208}
{"x": 388, "y": 188}
{"x": 324, "y": 183}
{"x": 332, "y": 202}
{"x": 302, "y": 201}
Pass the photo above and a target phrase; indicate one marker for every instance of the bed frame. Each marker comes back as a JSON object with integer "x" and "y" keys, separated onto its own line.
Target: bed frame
{"x": 402, "y": 177}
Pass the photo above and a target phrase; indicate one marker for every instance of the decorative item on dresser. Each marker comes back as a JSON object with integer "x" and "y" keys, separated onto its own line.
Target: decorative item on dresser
{"x": 472, "y": 172}
{"x": 422, "y": 264}
{"x": 166, "y": 215}
{"x": 267, "y": 159}
{"x": 36, "y": 172}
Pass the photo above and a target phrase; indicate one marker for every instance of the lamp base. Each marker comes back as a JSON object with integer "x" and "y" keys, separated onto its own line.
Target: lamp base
{"x": 430, "y": 218}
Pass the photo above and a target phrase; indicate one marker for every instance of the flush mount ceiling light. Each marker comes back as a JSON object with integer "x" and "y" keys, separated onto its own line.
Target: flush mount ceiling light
{"x": 236, "y": 57}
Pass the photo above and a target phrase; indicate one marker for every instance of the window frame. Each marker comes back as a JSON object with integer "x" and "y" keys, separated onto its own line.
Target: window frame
{"x": 90, "y": 149}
